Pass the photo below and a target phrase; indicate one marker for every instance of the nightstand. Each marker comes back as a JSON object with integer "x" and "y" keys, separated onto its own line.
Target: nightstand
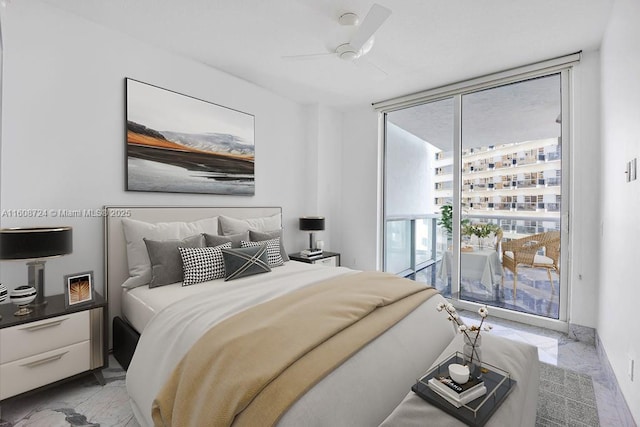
{"x": 51, "y": 344}
{"x": 330, "y": 259}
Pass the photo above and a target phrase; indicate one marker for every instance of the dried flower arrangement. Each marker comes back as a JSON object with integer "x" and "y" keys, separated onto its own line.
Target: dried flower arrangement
{"x": 463, "y": 328}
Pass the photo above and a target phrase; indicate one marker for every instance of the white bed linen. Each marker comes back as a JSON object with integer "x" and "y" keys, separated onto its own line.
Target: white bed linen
{"x": 140, "y": 304}
{"x": 361, "y": 392}
{"x": 176, "y": 327}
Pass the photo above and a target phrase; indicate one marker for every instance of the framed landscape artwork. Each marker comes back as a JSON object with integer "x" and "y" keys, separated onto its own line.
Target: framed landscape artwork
{"x": 180, "y": 144}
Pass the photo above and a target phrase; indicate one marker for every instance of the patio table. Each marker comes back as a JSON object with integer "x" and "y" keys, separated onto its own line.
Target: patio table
{"x": 481, "y": 265}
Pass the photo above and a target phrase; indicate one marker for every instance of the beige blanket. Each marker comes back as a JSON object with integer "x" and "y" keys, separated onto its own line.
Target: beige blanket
{"x": 253, "y": 366}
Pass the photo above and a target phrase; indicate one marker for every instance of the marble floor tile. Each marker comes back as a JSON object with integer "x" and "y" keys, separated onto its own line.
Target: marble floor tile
{"x": 83, "y": 402}
{"x": 80, "y": 402}
{"x": 558, "y": 349}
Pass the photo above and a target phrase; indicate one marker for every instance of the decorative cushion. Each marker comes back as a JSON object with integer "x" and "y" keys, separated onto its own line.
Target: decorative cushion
{"x": 137, "y": 255}
{"x": 542, "y": 260}
{"x": 273, "y": 250}
{"x": 261, "y": 236}
{"x": 230, "y": 225}
{"x": 245, "y": 262}
{"x": 202, "y": 264}
{"x": 166, "y": 262}
{"x": 537, "y": 259}
{"x": 234, "y": 239}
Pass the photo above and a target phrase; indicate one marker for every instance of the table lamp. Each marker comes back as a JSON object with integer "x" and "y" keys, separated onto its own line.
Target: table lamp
{"x": 311, "y": 224}
{"x": 35, "y": 244}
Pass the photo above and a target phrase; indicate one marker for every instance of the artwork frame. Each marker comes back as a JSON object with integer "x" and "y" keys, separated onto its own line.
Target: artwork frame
{"x": 176, "y": 143}
{"x": 78, "y": 289}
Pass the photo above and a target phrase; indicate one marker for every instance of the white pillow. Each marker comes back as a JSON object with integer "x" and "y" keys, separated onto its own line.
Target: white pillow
{"x": 137, "y": 255}
{"x": 230, "y": 225}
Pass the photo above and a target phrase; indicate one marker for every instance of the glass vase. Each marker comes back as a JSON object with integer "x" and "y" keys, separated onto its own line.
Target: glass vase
{"x": 473, "y": 353}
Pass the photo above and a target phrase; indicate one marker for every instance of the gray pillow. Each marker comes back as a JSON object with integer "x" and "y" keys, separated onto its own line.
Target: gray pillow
{"x": 245, "y": 262}
{"x": 137, "y": 255}
{"x": 166, "y": 262}
{"x": 261, "y": 236}
{"x": 234, "y": 239}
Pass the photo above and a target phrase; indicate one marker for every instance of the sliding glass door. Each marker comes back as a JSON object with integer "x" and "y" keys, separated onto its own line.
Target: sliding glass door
{"x": 511, "y": 196}
{"x": 474, "y": 190}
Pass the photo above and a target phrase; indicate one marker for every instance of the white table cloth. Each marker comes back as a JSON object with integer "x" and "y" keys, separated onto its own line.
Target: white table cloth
{"x": 481, "y": 265}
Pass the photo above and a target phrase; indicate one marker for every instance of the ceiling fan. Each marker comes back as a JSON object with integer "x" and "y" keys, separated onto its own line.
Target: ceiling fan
{"x": 362, "y": 41}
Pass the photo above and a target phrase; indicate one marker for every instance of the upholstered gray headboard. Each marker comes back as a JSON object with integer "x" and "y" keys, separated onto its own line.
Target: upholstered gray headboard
{"x": 116, "y": 268}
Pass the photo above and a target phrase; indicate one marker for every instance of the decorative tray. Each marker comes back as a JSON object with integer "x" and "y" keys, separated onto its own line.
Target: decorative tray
{"x": 475, "y": 413}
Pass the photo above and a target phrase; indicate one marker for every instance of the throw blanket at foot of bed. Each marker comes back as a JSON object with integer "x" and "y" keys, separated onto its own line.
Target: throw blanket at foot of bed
{"x": 251, "y": 367}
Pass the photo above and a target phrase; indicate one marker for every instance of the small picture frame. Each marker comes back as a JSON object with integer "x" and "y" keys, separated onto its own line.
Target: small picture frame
{"x": 78, "y": 288}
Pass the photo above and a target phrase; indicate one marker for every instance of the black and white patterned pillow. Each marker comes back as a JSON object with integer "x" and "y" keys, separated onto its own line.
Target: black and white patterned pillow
{"x": 274, "y": 258}
{"x": 202, "y": 264}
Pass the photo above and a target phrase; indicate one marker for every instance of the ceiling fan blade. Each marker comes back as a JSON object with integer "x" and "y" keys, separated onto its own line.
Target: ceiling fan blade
{"x": 362, "y": 62}
{"x": 374, "y": 19}
{"x": 308, "y": 56}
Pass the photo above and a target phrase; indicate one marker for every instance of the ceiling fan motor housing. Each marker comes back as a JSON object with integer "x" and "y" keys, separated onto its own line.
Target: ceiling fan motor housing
{"x": 349, "y": 19}
{"x": 347, "y": 52}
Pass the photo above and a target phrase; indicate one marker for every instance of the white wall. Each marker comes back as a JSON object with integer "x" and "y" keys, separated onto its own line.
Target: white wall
{"x": 585, "y": 192}
{"x": 619, "y": 283}
{"x": 323, "y": 172}
{"x": 63, "y": 131}
{"x": 409, "y": 174}
{"x": 361, "y": 156}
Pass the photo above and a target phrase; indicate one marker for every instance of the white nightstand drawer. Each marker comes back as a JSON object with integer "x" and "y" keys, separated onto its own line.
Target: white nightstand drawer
{"x": 33, "y": 338}
{"x": 329, "y": 262}
{"x": 35, "y": 371}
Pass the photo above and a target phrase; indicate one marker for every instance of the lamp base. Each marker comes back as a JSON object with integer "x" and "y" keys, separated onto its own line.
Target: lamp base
{"x": 23, "y": 310}
{"x": 35, "y": 270}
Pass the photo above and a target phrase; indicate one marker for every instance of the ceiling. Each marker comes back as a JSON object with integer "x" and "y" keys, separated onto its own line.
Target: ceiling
{"x": 423, "y": 44}
{"x": 523, "y": 111}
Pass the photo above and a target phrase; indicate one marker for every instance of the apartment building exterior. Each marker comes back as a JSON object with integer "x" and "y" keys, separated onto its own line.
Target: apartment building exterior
{"x": 515, "y": 185}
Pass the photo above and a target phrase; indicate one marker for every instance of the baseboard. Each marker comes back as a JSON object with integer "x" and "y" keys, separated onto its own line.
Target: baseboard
{"x": 612, "y": 383}
{"x": 583, "y": 334}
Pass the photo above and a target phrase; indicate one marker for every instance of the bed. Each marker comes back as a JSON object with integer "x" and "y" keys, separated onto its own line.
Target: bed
{"x": 362, "y": 389}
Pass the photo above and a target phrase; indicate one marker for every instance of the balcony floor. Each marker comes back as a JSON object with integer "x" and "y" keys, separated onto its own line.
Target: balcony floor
{"x": 534, "y": 293}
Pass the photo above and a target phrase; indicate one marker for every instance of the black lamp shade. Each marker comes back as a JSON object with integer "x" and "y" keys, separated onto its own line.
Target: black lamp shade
{"x": 312, "y": 223}
{"x": 37, "y": 242}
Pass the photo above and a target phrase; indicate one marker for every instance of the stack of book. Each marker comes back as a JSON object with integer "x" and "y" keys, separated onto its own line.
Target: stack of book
{"x": 310, "y": 253}
{"x": 457, "y": 394}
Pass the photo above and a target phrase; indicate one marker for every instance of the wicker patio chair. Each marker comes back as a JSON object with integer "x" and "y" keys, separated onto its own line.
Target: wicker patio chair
{"x": 525, "y": 252}
{"x": 498, "y": 236}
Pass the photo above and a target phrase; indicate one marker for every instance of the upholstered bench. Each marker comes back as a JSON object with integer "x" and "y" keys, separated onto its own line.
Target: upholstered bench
{"x": 519, "y": 408}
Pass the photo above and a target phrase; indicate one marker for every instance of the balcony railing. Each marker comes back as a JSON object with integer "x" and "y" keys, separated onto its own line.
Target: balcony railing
{"x": 416, "y": 242}
{"x": 412, "y": 243}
